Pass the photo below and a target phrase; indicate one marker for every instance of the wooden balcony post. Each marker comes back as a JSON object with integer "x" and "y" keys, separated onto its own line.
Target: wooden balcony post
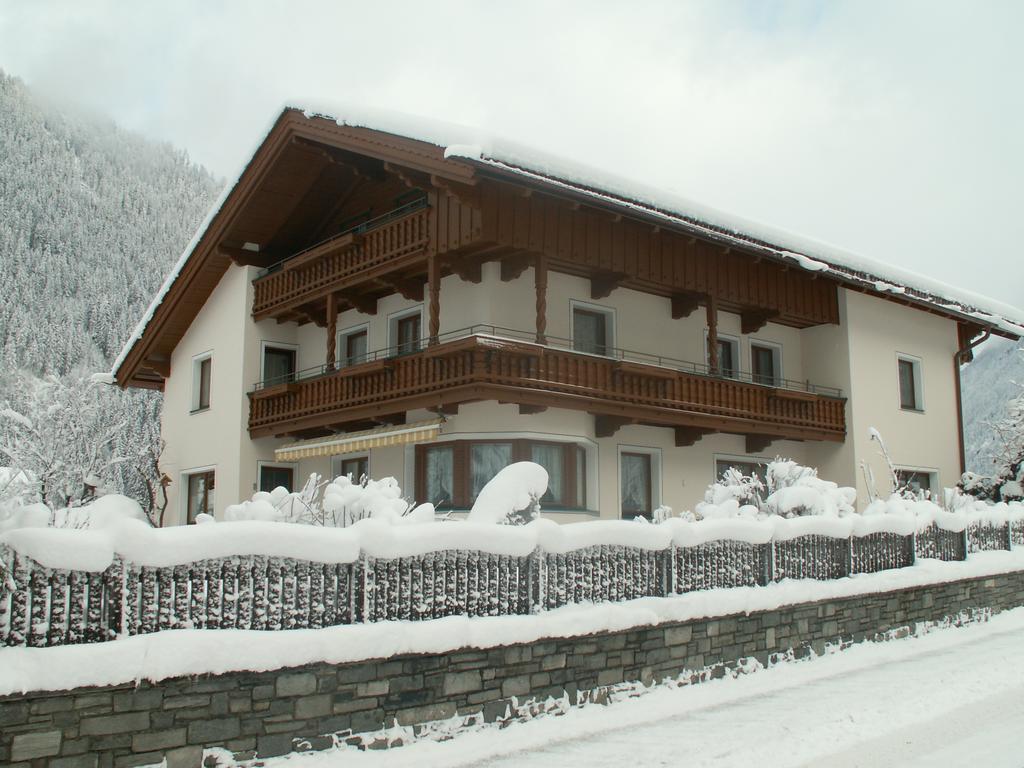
{"x": 434, "y": 287}
{"x": 332, "y": 330}
{"x": 712, "y": 307}
{"x": 540, "y": 284}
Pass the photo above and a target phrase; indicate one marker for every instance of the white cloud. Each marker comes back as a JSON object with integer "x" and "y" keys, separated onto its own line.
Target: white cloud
{"x": 890, "y": 129}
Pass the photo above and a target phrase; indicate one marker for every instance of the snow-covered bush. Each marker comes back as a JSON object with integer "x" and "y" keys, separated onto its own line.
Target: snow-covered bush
{"x": 788, "y": 489}
{"x": 335, "y": 504}
{"x": 512, "y": 497}
{"x": 101, "y": 513}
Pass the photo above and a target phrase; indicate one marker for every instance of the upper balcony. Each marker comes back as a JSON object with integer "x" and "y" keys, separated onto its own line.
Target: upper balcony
{"x": 488, "y": 363}
{"x": 382, "y": 246}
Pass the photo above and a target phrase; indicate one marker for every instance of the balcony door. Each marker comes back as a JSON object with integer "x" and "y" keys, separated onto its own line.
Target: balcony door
{"x": 590, "y": 331}
{"x": 407, "y": 334}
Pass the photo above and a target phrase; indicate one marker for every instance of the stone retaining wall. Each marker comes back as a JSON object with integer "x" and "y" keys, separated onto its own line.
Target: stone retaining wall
{"x": 272, "y": 713}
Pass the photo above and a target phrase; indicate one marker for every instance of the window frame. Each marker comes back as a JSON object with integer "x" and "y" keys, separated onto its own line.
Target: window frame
{"x": 198, "y": 361}
{"x": 776, "y": 351}
{"x": 737, "y": 347}
{"x": 341, "y": 357}
{"x": 394, "y": 319}
{"x": 753, "y": 461}
{"x": 186, "y": 483}
{"x": 282, "y": 346}
{"x": 655, "y": 479}
{"x": 462, "y": 476}
{"x": 339, "y": 460}
{"x": 931, "y": 474}
{"x": 918, "y": 374}
{"x": 261, "y": 465}
{"x": 610, "y": 322}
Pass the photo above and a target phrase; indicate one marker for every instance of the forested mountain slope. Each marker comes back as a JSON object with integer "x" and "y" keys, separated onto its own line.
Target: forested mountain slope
{"x": 989, "y": 384}
{"x": 91, "y": 218}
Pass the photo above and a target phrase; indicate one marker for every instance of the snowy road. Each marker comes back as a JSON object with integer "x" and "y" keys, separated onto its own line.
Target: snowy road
{"x": 952, "y": 697}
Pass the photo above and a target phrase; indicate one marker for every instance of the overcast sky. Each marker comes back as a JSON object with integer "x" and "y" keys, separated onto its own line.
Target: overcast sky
{"x": 890, "y": 129}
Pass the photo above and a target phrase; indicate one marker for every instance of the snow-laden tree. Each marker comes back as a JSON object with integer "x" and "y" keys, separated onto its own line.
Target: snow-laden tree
{"x": 77, "y": 438}
{"x": 1006, "y": 483}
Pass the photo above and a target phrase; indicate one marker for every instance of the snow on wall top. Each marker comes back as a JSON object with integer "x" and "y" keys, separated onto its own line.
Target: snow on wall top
{"x": 480, "y": 147}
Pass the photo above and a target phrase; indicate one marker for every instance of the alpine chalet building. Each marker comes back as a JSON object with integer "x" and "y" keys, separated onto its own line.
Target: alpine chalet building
{"x": 398, "y": 301}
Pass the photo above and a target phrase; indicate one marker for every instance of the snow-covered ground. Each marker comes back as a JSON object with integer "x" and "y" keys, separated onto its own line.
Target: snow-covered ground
{"x": 950, "y": 697}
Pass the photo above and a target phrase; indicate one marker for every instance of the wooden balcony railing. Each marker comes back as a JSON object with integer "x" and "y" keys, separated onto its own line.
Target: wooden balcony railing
{"x": 481, "y": 366}
{"x": 312, "y": 274}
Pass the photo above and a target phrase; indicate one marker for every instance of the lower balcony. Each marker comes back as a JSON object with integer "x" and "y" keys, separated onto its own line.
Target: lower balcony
{"x": 488, "y": 363}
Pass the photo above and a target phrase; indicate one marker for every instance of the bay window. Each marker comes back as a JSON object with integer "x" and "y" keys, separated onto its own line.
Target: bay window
{"x": 452, "y": 474}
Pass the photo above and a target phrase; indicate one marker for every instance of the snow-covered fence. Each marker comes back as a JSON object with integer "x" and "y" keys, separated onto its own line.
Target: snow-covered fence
{"x": 67, "y": 586}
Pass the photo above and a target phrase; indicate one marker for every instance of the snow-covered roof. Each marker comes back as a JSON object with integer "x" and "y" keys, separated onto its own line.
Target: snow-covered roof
{"x": 489, "y": 151}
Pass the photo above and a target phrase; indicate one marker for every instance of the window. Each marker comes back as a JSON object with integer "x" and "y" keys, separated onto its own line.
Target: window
{"x": 455, "y": 472}
{"x": 591, "y": 330}
{"x": 910, "y": 384}
{"x": 438, "y": 474}
{"x": 635, "y": 483}
{"x": 746, "y": 467}
{"x": 352, "y": 467}
{"x": 272, "y": 477}
{"x": 728, "y": 356}
{"x": 918, "y": 481}
{"x": 200, "y": 494}
{"x": 278, "y": 364}
{"x": 405, "y": 333}
{"x": 353, "y": 346}
{"x": 202, "y": 372}
{"x": 765, "y": 364}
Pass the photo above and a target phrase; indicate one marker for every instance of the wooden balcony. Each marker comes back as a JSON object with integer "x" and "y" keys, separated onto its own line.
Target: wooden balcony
{"x": 474, "y": 365}
{"x": 385, "y": 246}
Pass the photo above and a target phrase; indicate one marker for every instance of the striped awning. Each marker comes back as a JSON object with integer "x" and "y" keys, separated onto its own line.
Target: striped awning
{"x": 353, "y": 442}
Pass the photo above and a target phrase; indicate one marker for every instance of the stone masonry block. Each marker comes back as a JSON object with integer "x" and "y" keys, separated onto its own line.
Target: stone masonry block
{"x": 313, "y": 706}
{"x": 129, "y": 722}
{"x": 26, "y": 746}
{"x": 515, "y": 686}
{"x": 75, "y": 761}
{"x": 301, "y": 684}
{"x": 678, "y": 635}
{"x": 462, "y": 682}
{"x": 214, "y": 731}
{"x": 154, "y": 740}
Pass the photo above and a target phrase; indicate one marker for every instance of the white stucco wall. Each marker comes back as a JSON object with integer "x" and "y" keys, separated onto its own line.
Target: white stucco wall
{"x": 858, "y": 356}
{"x": 879, "y": 331}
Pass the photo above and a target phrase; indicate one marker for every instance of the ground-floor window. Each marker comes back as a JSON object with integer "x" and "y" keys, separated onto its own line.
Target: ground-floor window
{"x": 917, "y": 480}
{"x": 353, "y": 467}
{"x": 636, "y": 484}
{"x": 746, "y": 467}
{"x": 272, "y": 477}
{"x": 201, "y": 486}
{"x": 452, "y": 474}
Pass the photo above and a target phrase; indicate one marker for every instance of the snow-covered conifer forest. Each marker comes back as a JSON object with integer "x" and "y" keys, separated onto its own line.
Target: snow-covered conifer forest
{"x": 91, "y": 217}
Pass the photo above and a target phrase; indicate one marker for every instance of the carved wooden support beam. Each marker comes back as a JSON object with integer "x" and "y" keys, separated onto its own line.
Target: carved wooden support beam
{"x": 602, "y": 284}
{"x": 529, "y": 410}
{"x": 752, "y": 321}
{"x": 467, "y": 268}
{"x": 244, "y": 257}
{"x": 367, "y": 305}
{"x": 759, "y": 443}
{"x": 684, "y": 304}
{"x": 514, "y": 266}
{"x": 304, "y": 316}
{"x": 606, "y": 426}
{"x": 412, "y": 179}
{"x": 159, "y": 364}
{"x": 410, "y": 288}
{"x": 687, "y": 436}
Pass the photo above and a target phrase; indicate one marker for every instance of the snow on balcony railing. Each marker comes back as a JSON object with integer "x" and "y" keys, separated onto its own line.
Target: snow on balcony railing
{"x": 77, "y": 586}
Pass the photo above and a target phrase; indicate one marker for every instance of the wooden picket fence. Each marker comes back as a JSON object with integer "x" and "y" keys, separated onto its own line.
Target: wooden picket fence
{"x": 42, "y": 606}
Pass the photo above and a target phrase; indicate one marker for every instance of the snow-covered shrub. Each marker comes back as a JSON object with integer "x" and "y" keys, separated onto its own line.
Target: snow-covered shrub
{"x": 335, "y": 504}
{"x": 512, "y": 496}
{"x": 788, "y": 489}
{"x": 104, "y": 512}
